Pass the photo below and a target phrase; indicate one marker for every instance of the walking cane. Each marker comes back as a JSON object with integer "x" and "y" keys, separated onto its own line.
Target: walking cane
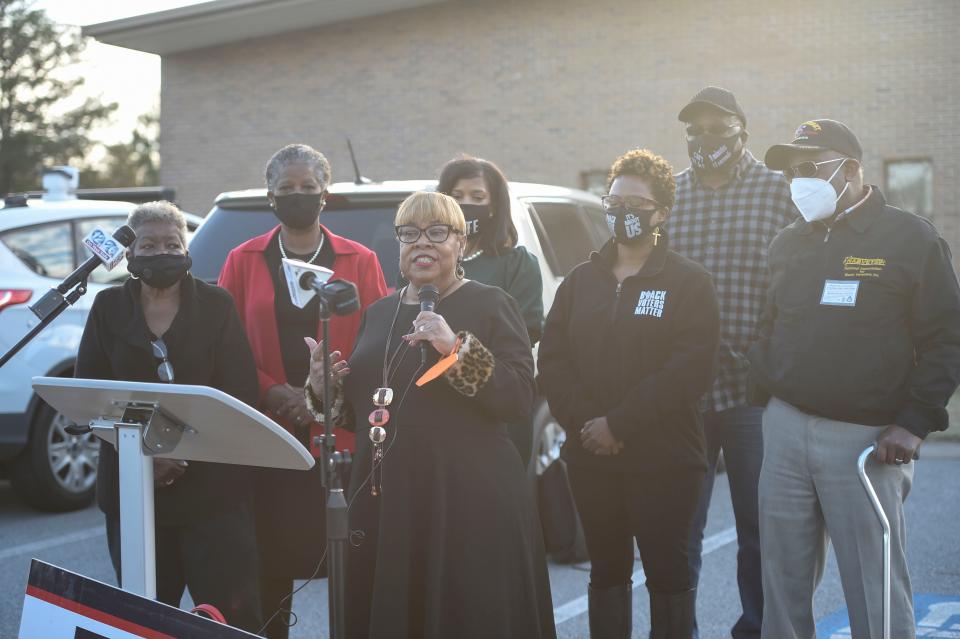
{"x": 885, "y": 524}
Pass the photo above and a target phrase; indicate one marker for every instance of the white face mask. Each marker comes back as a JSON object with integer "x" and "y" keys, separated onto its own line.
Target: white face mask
{"x": 816, "y": 198}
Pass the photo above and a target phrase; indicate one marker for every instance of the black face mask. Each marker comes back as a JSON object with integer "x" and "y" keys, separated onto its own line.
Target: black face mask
{"x": 298, "y": 210}
{"x": 159, "y": 271}
{"x": 475, "y": 214}
{"x": 629, "y": 228}
{"x": 712, "y": 152}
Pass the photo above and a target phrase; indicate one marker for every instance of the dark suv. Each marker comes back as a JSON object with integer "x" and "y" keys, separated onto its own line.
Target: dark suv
{"x": 560, "y": 226}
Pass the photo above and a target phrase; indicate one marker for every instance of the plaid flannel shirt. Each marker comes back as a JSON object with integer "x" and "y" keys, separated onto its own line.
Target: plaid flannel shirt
{"x": 728, "y": 230}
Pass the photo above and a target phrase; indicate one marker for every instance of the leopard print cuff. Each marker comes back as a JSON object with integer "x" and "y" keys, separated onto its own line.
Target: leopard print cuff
{"x": 315, "y": 404}
{"x": 474, "y": 366}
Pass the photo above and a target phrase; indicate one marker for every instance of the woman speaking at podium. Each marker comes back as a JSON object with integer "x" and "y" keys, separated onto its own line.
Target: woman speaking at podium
{"x": 445, "y": 541}
{"x": 162, "y": 325}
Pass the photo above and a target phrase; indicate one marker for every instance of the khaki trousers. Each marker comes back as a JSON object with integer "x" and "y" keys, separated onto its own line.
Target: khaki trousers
{"x": 810, "y": 493}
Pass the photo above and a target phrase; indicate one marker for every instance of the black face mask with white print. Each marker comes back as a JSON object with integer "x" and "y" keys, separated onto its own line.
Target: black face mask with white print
{"x": 629, "y": 228}
{"x": 475, "y": 215}
{"x": 710, "y": 152}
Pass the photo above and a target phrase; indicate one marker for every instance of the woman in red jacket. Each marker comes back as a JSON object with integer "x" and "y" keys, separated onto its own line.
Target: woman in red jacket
{"x": 290, "y": 504}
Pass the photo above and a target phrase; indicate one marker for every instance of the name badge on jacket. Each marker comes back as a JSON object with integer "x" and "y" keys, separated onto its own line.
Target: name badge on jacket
{"x": 840, "y": 293}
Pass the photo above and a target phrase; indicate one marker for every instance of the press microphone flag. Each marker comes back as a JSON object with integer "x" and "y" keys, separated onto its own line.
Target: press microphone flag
{"x": 107, "y": 250}
{"x": 293, "y": 271}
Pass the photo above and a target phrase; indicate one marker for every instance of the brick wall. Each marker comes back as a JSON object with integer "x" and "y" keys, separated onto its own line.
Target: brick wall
{"x": 550, "y": 88}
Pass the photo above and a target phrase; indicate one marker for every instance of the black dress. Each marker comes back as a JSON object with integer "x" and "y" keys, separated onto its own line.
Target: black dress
{"x": 451, "y": 547}
{"x": 517, "y": 272}
{"x": 290, "y": 552}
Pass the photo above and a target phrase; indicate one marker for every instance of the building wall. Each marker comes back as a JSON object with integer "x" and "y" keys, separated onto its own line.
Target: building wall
{"x": 551, "y": 88}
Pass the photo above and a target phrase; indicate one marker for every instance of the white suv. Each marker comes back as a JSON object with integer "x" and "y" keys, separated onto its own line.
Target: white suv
{"x": 40, "y": 244}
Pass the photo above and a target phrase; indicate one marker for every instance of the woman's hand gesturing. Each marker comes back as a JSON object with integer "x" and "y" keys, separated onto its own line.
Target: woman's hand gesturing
{"x": 338, "y": 369}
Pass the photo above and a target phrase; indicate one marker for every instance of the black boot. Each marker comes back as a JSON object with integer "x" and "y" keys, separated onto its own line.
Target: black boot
{"x": 672, "y": 614}
{"x": 611, "y": 612}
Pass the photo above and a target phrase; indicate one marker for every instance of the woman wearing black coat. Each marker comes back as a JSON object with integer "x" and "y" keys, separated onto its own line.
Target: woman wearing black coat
{"x": 162, "y": 325}
{"x": 445, "y": 538}
{"x": 627, "y": 351}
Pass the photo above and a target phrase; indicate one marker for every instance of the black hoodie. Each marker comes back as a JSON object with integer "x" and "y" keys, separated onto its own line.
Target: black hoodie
{"x": 641, "y": 352}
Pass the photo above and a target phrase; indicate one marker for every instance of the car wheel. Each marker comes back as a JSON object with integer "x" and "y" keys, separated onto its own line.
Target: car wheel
{"x": 57, "y": 471}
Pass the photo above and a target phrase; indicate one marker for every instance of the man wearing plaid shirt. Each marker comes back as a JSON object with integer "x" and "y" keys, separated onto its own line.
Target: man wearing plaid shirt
{"x": 728, "y": 209}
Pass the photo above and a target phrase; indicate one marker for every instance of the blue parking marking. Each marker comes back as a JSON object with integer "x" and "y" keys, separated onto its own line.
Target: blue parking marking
{"x": 938, "y": 617}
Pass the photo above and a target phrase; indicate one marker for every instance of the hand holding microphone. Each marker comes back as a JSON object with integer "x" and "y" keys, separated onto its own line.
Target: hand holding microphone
{"x": 430, "y": 328}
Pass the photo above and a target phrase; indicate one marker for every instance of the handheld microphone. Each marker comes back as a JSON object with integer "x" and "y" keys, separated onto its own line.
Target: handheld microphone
{"x": 106, "y": 250}
{"x": 429, "y": 295}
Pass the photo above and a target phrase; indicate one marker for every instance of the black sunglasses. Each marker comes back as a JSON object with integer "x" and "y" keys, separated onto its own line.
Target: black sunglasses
{"x": 436, "y": 233}
{"x": 165, "y": 369}
{"x": 720, "y": 128}
{"x": 806, "y": 169}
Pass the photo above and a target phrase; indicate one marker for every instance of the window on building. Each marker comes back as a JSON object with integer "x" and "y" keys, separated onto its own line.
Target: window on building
{"x": 46, "y": 250}
{"x": 909, "y": 185}
{"x": 594, "y": 181}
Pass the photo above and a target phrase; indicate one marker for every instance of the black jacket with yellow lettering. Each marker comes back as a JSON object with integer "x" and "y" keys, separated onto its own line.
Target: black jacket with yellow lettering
{"x": 862, "y": 321}
{"x": 640, "y": 353}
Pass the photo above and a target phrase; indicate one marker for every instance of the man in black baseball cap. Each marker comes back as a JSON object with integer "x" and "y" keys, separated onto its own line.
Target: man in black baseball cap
{"x": 859, "y": 347}
{"x": 715, "y": 98}
{"x": 823, "y": 154}
{"x": 728, "y": 209}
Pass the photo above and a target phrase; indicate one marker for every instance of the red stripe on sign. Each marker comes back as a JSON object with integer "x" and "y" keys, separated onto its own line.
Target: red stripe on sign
{"x": 96, "y": 615}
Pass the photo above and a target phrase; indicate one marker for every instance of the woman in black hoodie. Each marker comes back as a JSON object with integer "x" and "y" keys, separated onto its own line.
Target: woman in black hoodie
{"x": 627, "y": 351}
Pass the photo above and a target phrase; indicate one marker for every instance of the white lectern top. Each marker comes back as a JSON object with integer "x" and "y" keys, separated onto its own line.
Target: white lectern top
{"x": 220, "y": 428}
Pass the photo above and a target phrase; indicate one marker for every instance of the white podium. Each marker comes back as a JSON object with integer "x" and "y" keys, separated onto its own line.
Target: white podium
{"x": 145, "y": 420}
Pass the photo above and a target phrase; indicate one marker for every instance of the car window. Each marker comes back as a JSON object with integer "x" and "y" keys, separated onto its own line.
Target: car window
{"x": 567, "y": 231}
{"x": 597, "y": 220}
{"x": 46, "y": 249}
{"x": 225, "y": 229}
{"x": 110, "y": 224}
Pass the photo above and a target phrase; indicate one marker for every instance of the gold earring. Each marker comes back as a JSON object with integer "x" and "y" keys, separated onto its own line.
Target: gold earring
{"x": 656, "y": 236}
{"x": 460, "y": 273}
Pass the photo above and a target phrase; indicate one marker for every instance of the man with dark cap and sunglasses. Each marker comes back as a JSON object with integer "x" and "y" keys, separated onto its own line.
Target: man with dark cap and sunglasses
{"x": 729, "y": 208}
{"x": 860, "y": 346}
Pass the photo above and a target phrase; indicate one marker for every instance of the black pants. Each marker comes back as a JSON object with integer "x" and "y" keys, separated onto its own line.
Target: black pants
{"x": 656, "y": 509}
{"x": 291, "y": 537}
{"x": 216, "y": 558}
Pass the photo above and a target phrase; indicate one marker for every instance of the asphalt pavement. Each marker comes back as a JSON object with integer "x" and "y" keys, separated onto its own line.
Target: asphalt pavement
{"x": 76, "y": 541}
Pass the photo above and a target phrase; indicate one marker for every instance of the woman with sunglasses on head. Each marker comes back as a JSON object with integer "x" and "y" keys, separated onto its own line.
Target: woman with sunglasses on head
{"x": 290, "y": 513}
{"x": 162, "y": 325}
{"x": 446, "y": 541}
{"x": 628, "y": 349}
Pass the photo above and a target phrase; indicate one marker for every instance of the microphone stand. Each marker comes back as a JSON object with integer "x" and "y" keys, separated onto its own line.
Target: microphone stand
{"x": 332, "y": 462}
{"x": 50, "y": 306}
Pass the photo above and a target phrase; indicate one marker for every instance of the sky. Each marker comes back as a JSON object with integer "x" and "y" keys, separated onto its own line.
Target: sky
{"x": 129, "y": 78}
